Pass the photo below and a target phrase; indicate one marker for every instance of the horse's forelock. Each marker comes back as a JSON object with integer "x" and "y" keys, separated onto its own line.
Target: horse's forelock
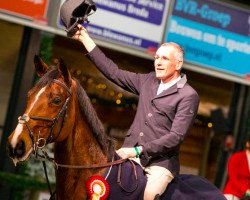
{"x": 48, "y": 77}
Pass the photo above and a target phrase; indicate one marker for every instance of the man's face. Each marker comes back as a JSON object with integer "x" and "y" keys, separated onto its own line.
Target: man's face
{"x": 166, "y": 65}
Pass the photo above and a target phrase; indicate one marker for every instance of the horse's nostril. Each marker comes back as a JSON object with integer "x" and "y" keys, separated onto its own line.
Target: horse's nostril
{"x": 10, "y": 150}
{"x": 19, "y": 150}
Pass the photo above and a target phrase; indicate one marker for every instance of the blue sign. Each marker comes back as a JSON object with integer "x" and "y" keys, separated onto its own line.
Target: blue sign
{"x": 213, "y": 35}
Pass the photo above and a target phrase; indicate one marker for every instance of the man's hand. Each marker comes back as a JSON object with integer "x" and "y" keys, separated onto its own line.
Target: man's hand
{"x": 126, "y": 152}
{"x": 83, "y": 36}
{"x": 81, "y": 33}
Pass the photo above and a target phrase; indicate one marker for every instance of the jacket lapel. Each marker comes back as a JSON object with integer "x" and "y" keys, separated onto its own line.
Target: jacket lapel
{"x": 155, "y": 86}
{"x": 167, "y": 92}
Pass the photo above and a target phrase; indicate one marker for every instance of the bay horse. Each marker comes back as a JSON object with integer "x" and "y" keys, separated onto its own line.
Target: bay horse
{"x": 59, "y": 111}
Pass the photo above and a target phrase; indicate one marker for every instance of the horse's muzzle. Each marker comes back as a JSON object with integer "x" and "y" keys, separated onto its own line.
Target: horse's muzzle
{"x": 18, "y": 151}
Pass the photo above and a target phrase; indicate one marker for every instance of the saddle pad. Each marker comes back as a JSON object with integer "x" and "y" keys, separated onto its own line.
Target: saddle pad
{"x": 191, "y": 187}
{"x": 132, "y": 188}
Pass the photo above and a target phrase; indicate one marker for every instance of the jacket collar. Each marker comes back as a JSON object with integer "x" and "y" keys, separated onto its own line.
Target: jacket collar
{"x": 173, "y": 89}
{"x": 182, "y": 82}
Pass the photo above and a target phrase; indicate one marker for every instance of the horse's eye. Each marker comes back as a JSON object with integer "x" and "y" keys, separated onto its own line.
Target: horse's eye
{"x": 56, "y": 100}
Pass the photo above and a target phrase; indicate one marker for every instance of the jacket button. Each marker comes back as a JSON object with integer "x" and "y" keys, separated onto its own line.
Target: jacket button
{"x": 141, "y": 133}
{"x": 150, "y": 115}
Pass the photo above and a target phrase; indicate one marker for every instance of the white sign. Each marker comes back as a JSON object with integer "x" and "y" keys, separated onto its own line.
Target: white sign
{"x": 136, "y": 23}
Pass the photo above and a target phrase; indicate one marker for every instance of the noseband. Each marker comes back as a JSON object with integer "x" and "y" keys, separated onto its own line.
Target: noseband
{"x": 41, "y": 142}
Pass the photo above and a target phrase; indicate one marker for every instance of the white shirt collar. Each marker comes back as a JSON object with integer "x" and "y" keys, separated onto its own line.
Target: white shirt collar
{"x": 165, "y": 86}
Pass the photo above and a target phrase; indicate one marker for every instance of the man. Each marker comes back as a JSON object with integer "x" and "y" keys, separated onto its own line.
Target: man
{"x": 166, "y": 110}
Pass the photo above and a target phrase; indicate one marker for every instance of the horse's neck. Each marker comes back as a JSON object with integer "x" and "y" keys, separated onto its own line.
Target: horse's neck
{"x": 80, "y": 148}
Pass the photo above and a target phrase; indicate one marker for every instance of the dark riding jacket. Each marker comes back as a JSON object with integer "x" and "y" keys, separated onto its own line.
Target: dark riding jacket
{"x": 161, "y": 121}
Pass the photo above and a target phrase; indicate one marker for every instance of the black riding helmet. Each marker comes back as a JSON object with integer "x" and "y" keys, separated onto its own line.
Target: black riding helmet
{"x": 73, "y": 12}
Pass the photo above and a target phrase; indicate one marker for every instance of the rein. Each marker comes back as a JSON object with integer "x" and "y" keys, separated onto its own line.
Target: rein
{"x": 45, "y": 156}
{"x": 89, "y": 166}
{"x": 93, "y": 166}
{"x": 108, "y": 164}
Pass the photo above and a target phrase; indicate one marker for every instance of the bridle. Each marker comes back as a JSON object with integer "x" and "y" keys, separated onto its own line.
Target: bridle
{"x": 41, "y": 142}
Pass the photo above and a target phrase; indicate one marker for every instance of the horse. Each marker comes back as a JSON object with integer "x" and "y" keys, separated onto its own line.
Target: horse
{"x": 86, "y": 166}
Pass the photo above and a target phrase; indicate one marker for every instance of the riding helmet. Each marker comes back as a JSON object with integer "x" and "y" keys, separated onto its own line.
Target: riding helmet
{"x": 73, "y": 12}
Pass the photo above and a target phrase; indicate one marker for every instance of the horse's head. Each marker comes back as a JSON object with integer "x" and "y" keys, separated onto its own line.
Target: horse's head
{"x": 46, "y": 112}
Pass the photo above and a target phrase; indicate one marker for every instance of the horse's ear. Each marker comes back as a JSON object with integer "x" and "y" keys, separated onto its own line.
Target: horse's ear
{"x": 41, "y": 67}
{"x": 63, "y": 70}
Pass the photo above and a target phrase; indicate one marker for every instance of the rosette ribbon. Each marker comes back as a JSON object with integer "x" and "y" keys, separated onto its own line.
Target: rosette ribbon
{"x": 97, "y": 188}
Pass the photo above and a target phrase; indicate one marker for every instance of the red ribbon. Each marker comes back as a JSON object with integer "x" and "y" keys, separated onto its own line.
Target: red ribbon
{"x": 97, "y": 188}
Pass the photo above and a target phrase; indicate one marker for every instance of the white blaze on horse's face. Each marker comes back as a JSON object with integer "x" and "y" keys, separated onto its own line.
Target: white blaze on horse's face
{"x": 36, "y": 99}
{"x": 20, "y": 127}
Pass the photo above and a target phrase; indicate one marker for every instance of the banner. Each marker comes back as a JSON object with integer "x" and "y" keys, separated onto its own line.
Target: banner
{"x": 30, "y": 9}
{"x": 213, "y": 35}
